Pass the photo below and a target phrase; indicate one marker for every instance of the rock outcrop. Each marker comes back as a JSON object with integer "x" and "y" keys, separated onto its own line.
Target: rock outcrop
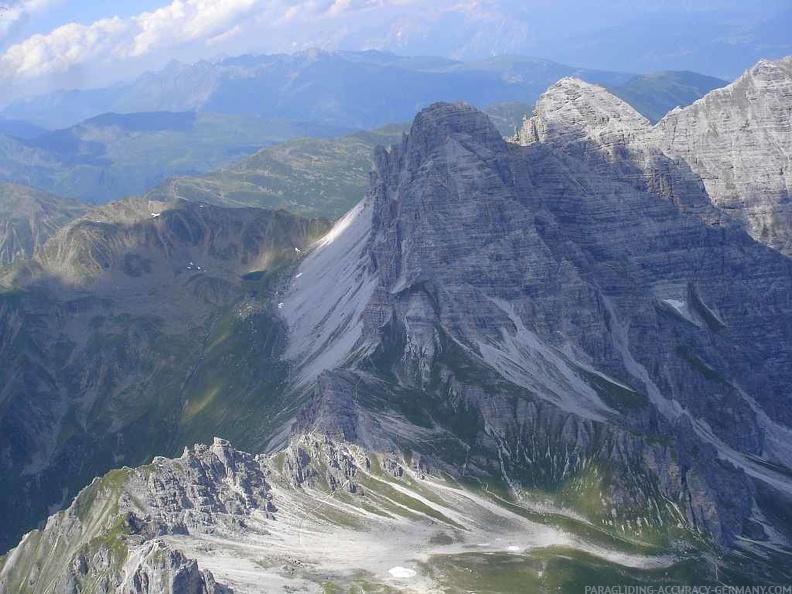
{"x": 739, "y": 141}
{"x": 109, "y": 541}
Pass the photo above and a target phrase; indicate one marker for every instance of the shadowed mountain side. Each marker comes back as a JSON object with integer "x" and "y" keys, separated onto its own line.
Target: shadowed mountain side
{"x": 28, "y": 217}
{"x": 135, "y": 331}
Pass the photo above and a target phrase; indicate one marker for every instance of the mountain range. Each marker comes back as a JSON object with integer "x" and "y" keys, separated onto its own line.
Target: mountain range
{"x": 326, "y": 177}
{"x": 352, "y": 90}
{"x": 187, "y": 120}
{"x": 555, "y": 360}
{"x": 112, "y": 156}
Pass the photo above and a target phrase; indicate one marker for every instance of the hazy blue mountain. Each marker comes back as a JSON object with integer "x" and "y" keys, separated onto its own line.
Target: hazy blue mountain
{"x": 115, "y": 155}
{"x": 656, "y": 94}
{"x": 350, "y": 89}
{"x": 20, "y": 129}
{"x": 92, "y": 325}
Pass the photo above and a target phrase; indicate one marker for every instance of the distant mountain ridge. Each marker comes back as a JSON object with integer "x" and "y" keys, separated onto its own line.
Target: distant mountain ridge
{"x": 260, "y": 180}
{"x": 29, "y": 217}
{"x": 20, "y": 129}
{"x": 110, "y": 156}
{"x": 189, "y": 119}
{"x": 346, "y": 89}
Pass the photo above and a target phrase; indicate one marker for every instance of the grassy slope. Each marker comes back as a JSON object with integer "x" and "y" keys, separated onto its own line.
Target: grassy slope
{"x": 310, "y": 177}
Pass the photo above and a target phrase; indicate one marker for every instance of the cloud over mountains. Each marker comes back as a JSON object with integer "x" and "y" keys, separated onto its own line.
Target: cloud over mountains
{"x": 565, "y": 30}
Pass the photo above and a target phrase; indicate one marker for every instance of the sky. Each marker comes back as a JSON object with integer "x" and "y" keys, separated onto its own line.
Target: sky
{"x": 50, "y": 44}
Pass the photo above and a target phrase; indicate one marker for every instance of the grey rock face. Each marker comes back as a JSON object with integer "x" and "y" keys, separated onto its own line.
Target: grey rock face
{"x": 158, "y": 569}
{"x": 579, "y": 296}
{"x": 739, "y": 141}
{"x": 735, "y": 141}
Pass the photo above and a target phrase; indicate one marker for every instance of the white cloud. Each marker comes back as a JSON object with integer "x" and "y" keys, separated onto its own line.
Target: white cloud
{"x": 187, "y": 20}
{"x": 115, "y": 39}
{"x": 14, "y": 13}
{"x": 63, "y": 48}
{"x": 191, "y": 29}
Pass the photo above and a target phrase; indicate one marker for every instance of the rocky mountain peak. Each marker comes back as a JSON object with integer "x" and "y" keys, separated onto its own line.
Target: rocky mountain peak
{"x": 769, "y": 69}
{"x": 738, "y": 140}
{"x": 573, "y": 109}
{"x": 435, "y": 125}
{"x": 472, "y": 260}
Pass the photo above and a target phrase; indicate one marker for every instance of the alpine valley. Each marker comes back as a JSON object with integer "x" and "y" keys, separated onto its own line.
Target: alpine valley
{"x": 517, "y": 365}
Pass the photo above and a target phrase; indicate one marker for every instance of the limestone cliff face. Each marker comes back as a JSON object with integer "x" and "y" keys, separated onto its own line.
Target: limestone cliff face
{"x": 736, "y": 142}
{"x": 110, "y": 539}
{"x": 739, "y": 141}
{"x": 578, "y": 296}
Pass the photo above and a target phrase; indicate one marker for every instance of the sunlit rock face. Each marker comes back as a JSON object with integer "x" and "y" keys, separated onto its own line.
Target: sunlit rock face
{"x": 735, "y": 140}
{"x": 739, "y": 140}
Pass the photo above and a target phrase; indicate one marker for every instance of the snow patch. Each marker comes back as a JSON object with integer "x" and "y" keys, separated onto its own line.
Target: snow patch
{"x": 401, "y": 572}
